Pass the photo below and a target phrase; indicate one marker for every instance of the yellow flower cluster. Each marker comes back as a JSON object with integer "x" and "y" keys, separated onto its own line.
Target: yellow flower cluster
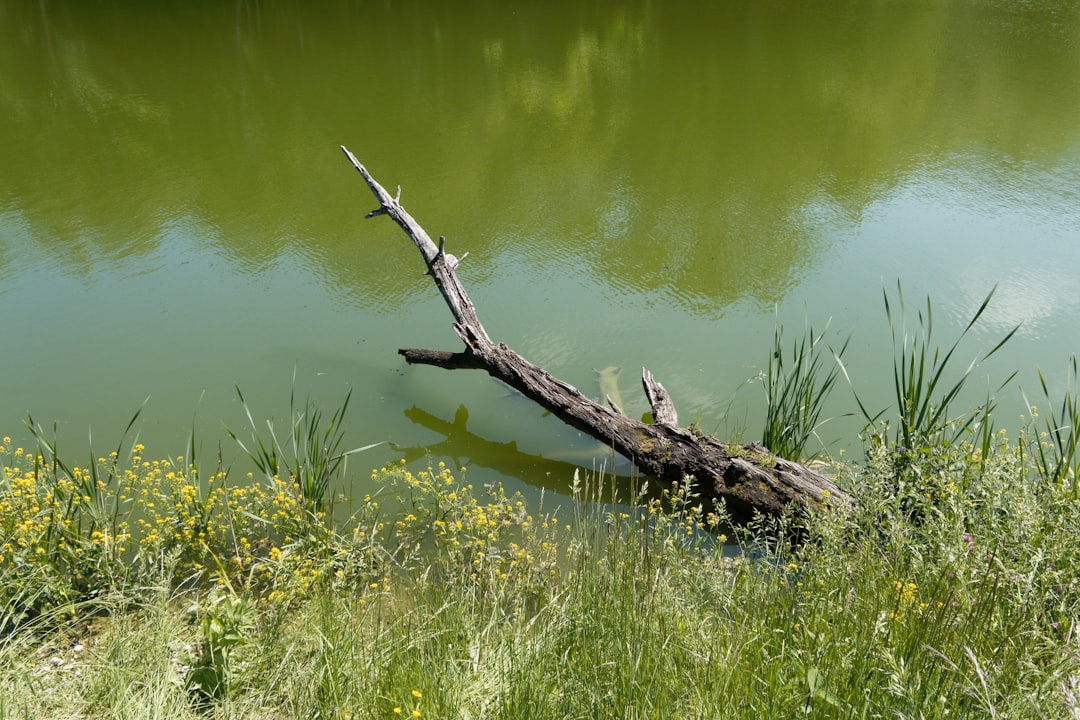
{"x": 488, "y": 536}
{"x": 77, "y": 528}
{"x": 682, "y": 518}
{"x": 907, "y": 599}
{"x": 905, "y": 592}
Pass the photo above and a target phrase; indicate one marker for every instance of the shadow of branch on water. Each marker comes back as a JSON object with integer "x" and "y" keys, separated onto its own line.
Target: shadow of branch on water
{"x": 466, "y": 448}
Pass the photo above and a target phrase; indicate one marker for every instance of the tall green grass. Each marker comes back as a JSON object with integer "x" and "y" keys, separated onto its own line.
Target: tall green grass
{"x": 797, "y": 386}
{"x": 925, "y": 384}
{"x": 310, "y": 453}
{"x": 1056, "y": 441}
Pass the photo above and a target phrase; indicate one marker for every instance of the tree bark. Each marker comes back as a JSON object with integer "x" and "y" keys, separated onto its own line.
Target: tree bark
{"x": 747, "y": 479}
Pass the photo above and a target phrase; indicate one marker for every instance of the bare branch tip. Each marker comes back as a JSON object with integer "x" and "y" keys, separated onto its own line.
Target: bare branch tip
{"x": 352, "y": 158}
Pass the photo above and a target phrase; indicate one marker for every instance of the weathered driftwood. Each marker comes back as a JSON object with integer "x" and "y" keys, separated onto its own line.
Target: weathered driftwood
{"x": 747, "y": 478}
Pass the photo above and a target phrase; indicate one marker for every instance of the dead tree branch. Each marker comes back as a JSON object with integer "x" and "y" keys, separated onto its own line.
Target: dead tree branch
{"x": 748, "y": 479}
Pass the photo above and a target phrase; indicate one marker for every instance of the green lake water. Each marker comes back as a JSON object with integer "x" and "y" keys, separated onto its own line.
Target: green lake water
{"x": 636, "y": 184}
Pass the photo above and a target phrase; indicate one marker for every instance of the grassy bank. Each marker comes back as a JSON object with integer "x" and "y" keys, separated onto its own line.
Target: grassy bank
{"x": 137, "y": 588}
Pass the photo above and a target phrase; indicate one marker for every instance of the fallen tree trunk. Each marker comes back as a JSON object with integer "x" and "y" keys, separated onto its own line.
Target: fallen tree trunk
{"x": 748, "y": 479}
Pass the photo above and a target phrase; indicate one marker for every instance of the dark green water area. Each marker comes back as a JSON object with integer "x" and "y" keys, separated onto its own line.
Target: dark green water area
{"x": 636, "y": 183}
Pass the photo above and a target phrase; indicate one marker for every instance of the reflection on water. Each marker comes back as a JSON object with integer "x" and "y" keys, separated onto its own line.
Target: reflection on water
{"x": 635, "y": 185}
{"x": 971, "y": 235}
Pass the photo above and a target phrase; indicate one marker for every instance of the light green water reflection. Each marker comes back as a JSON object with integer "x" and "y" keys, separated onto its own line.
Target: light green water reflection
{"x": 636, "y": 183}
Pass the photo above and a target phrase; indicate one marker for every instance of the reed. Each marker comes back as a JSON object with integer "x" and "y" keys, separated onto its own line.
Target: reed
{"x": 309, "y": 455}
{"x": 797, "y": 386}
{"x": 924, "y": 385}
{"x": 1056, "y": 440}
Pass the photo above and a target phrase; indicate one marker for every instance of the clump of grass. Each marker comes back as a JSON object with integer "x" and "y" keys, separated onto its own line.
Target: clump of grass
{"x": 65, "y": 526}
{"x": 796, "y": 389}
{"x": 310, "y": 455}
{"x": 924, "y": 392}
{"x": 1056, "y": 446}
